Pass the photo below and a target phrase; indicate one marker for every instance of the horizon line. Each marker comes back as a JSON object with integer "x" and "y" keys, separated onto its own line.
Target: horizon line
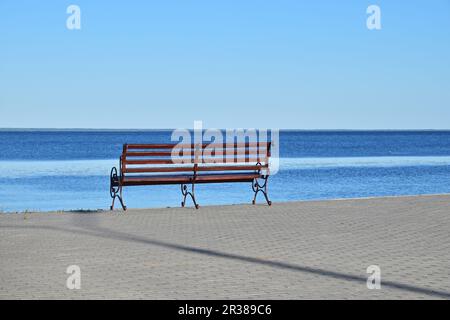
{"x": 171, "y": 129}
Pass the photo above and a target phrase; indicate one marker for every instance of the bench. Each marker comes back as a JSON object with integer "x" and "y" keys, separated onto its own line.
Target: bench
{"x": 191, "y": 164}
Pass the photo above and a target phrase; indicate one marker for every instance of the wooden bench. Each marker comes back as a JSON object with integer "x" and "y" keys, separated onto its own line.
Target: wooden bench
{"x": 191, "y": 164}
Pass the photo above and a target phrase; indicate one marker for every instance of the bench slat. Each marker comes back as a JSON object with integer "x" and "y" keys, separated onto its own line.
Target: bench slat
{"x": 191, "y": 169}
{"x": 148, "y": 154}
{"x": 156, "y": 180}
{"x": 159, "y": 169}
{"x": 213, "y": 153}
{"x": 231, "y": 168}
{"x": 193, "y": 146}
{"x": 177, "y": 179}
{"x": 191, "y": 160}
{"x": 226, "y": 177}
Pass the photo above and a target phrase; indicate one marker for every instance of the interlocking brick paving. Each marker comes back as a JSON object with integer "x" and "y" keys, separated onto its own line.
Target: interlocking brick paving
{"x": 298, "y": 250}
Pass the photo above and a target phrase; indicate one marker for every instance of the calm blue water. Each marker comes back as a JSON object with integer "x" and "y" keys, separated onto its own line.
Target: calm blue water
{"x": 55, "y": 170}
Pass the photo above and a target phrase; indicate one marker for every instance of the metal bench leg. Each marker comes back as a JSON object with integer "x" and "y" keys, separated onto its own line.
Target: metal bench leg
{"x": 115, "y": 189}
{"x": 258, "y": 187}
{"x": 185, "y": 193}
{"x": 118, "y": 194}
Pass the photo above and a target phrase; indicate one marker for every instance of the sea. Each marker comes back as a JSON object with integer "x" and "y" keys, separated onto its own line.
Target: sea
{"x": 49, "y": 170}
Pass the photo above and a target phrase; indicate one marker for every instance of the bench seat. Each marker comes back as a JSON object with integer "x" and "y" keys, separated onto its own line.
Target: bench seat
{"x": 187, "y": 178}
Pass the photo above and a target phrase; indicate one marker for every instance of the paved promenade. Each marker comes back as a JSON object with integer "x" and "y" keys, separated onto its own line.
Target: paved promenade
{"x": 298, "y": 250}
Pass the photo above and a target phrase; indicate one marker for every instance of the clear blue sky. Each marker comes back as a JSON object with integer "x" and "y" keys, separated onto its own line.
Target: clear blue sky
{"x": 275, "y": 64}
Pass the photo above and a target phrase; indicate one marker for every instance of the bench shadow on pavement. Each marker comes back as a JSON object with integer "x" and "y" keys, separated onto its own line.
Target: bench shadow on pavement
{"x": 95, "y": 230}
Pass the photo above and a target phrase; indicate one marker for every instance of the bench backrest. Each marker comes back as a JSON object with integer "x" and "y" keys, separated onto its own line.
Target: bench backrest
{"x": 158, "y": 158}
